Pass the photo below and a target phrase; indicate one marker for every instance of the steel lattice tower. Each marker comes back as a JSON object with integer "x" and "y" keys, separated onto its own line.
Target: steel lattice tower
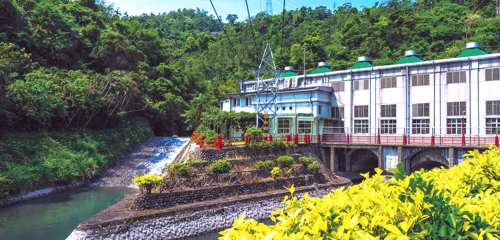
{"x": 267, "y": 86}
{"x": 269, "y": 7}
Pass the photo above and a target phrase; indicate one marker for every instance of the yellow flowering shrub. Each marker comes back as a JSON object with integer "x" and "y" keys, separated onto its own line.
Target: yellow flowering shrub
{"x": 457, "y": 203}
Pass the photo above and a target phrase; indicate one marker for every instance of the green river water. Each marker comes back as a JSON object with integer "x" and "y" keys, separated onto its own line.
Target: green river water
{"x": 55, "y": 216}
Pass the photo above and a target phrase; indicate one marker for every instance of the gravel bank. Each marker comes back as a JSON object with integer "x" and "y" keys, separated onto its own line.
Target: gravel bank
{"x": 185, "y": 225}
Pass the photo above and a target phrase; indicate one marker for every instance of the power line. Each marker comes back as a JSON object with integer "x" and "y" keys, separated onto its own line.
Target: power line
{"x": 223, "y": 29}
{"x": 251, "y": 27}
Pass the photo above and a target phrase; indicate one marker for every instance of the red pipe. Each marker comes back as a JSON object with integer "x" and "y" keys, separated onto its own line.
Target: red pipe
{"x": 318, "y": 138}
{"x": 433, "y": 140}
{"x": 270, "y": 138}
{"x": 296, "y": 138}
{"x": 496, "y": 140}
{"x": 463, "y": 139}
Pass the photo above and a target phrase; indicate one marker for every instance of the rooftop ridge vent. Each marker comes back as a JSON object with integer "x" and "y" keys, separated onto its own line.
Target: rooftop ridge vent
{"x": 363, "y": 59}
{"x": 410, "y": 53}
{"x": 472, "y": 45}
{"x": 322, "y": 64}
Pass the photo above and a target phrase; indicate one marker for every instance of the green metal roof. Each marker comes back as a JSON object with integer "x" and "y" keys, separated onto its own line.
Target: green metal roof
{"x": 319, "y": 70}
{"x": 471, "y": 52}
{"x": 288, "y": 73}
{"x": 363, "y": 64}
{"x": 409, "y": 59}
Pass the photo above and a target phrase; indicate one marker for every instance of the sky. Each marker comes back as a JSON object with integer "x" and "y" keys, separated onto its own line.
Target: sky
{"x": 224, "y": 7}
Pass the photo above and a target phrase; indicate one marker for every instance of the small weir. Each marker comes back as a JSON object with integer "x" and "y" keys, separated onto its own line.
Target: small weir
{"x": 55, "y": 216}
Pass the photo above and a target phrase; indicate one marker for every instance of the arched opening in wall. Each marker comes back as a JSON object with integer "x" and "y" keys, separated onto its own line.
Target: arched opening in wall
{"x": 427, "y": 160}
{"x": 363, "y": 161}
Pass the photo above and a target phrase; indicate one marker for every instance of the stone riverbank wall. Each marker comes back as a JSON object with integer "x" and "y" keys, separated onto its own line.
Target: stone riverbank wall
{"x": 171, "y": 199}
{"x": 187, "y": 223}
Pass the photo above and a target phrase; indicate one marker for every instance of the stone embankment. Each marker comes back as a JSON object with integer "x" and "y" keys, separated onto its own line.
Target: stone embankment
{"x": 191, "y": 220}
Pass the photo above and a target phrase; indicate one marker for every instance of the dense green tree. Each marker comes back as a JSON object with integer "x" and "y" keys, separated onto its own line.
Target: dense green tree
{"x": 76, "y": 64}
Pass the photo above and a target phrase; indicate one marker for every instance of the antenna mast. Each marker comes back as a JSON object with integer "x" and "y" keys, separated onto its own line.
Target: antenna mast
{"x": 267, "y": 87}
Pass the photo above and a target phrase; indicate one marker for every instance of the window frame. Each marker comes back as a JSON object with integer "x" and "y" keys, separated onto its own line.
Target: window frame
{"x": 423, "y": 108}
{"x": 451, "y": 108}
{"x": 454, "y": 126}
{"x": 301, "y": 128}
{"x": 361, "y": 126}
{"x": 453, "y": 77}
{"x": 388, "y": 126}
{"x": 279, "y": 126}
{"x": 388, "y": 111}
{"x": 420, "y": 126}
{"x": 361, "y": 109}
{"x": 491, "y": 106}
{"x": 420, "y": 79}
{"x": 492, "y": 125}
{"x": 494, "y": 70}
{"x": 392, "y": 80}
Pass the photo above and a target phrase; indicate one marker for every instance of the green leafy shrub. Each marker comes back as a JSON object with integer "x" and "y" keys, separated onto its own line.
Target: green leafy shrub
{"x": 313, "y": 168}
{"x": 456, "y": 203}
{"x": 254, "y": 132}
{"x": 265, "y": 165}
{"x": 306, "y": 160}
{"x": 275, "y": 172}
{"x": 220, "y": 166}
{"x": 194, "y": 162}
{"x": 178, "y": 169}
{"x": 285, "y": 161}
{"x": 148, "y": 182}
{"x": 37, "y": 160}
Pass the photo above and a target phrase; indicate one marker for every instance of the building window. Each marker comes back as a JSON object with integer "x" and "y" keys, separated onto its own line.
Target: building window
{"x": 420, "y": 110}
{"x": 388, "y": 82}
{"x": 420, "y": 126}
{"x": 456, "y": 77}
{"x": 235, "y": 102}
{"x": 283, "y": 108}
{"x": 283, "y": 125}
{"x": 305, "y": 127}
{"x": 492, "y": 107}
{"x": 319, "y": 109}
{"x": 388, "y": 110}
{"x": 492, "y": 74}
{"x": 492, "y": 125}
{"x": 290, "y": 108}
{"x": 420, "y": 80}
{"x": 387, "y": 126}
{"x": 456, "y": 108}
{"x": 360, "y": 84}
{"x": 361, "y": 111}
{"x": 360, "y": 125}
{"x": 338, "y": 86}
{"x": 248, "y": 101}
{"x": 456, "y": 125}
{"x": 338, "y": 112}
{"x": 420, "y": 123}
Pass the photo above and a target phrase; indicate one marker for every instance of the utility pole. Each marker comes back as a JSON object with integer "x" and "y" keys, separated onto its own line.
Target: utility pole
{"x": 269, "y": 7}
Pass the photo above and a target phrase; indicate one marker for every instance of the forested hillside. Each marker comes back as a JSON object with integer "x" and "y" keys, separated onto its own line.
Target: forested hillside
{"x": 81, "y": 64}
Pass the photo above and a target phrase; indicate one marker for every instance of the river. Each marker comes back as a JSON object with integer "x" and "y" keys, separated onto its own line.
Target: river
{"x": 55, "y": 216}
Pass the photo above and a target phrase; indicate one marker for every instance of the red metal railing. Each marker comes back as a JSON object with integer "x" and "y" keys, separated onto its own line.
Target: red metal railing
{"x": 357, "y": 139}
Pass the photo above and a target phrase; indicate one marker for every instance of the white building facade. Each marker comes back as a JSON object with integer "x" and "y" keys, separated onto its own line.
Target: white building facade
{"x": 449, "y": 97}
